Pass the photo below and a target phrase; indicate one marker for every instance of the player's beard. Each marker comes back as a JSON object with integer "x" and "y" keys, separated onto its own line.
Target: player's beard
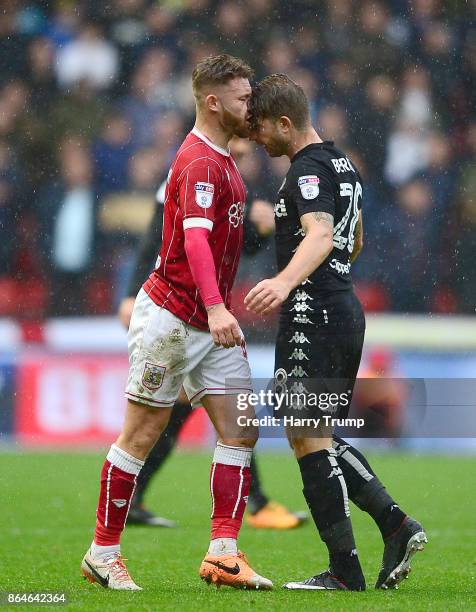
{"x": 238, "y": 126}
{"x": 276, "y": 148}
{"x": 277, "y": 145}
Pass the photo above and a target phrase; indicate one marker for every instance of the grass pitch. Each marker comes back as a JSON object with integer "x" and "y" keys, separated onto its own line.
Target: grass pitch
{"x": 48, "y": 508}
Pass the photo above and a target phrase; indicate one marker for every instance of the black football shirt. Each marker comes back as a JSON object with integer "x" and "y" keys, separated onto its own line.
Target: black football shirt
{"x": 321, "y": 179}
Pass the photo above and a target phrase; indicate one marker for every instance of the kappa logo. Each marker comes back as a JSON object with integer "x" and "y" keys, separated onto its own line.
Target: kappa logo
{"x": 299, "y": 338}
{"x": 119, "y": 503}
{"x": 301, "y": 318}
{"x": 301, "y": 307}
{"x": 299, "y": 354}
{"x": 204, "y": 194}
{"x": 309, "y": 186}
{"x": 298, "y": 372}
{"x": 302, "y": 295}
{"x": 335, "y": 472}
{"x": 341, "y": 449}
{"x": 153, "y": 376}
{"x": 300, "y": 232}
{"x": 306, "y": 281}
{"x": 298, "y": 387}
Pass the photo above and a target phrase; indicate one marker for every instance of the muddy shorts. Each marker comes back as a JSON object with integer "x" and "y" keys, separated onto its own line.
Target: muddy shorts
{"x": 166, "y": 353}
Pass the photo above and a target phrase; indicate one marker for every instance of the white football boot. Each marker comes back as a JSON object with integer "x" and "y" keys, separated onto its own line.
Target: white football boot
{"x": 110, "y": 574}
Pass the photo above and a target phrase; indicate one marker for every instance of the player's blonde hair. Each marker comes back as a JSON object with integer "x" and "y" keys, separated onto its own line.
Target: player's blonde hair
{"x": 217, "y": 70}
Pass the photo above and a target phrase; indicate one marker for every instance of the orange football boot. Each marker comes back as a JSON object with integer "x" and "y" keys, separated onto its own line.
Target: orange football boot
{"x": 274, "y": 516}
{"x": 233, "y": 571}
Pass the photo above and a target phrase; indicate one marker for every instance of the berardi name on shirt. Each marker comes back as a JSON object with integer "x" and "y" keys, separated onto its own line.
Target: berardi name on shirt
{"x": 325, "y": 420}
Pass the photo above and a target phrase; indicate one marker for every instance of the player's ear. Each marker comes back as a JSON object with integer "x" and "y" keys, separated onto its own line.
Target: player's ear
{"x": 285, "y": 124}
{"x": 211, "y": 102}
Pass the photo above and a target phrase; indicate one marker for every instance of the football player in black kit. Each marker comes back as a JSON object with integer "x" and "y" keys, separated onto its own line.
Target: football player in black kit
{"x": 318, "y": 236}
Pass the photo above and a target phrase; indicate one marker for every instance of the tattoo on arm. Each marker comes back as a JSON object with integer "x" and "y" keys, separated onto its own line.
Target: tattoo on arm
{"x": 357, "y": 240}
{"x": 323, "y": 216}
{"x": 358, "y": 232}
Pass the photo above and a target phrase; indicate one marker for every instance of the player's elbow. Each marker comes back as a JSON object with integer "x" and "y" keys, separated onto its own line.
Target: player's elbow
{"x": 327, "y": 242}
{"x": 322, "y": 238}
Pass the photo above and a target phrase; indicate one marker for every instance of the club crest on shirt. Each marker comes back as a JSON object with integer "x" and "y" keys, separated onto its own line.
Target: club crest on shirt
{"x": 153, "y": 376}
{"x": 309, "y": 186}
{"x": 204, "y": 194}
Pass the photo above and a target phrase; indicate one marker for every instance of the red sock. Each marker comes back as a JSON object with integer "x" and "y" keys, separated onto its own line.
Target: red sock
{"x": 230, "y": 480}
{"x": 118, "y": 482}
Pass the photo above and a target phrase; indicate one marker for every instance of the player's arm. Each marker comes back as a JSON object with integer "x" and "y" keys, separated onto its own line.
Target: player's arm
{"x": 312, "y": 251}
{"x": 198, "y": 190}
{"x": 312, "y": 189}
{"x": 223, "y": 325}
{"x": 358, "y": 239}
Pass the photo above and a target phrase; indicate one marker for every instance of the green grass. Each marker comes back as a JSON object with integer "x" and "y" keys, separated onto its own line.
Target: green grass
{"x": 47, "y": 519}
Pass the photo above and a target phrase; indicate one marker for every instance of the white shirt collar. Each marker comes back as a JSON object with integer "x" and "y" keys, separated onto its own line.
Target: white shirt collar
{"x": 210, "y": 143}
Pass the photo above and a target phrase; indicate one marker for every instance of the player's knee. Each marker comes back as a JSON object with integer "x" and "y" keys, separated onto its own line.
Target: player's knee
{"x": 141, "y": 444}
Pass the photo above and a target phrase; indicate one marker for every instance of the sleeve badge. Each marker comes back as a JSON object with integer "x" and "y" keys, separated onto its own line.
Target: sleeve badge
{"x": 204, "y": 194}
{"x": 309, "y": 186}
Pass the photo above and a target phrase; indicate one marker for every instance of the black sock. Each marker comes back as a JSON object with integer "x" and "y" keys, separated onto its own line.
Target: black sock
{"x": 366, "y": 490}
{"x": 161, "y": 450}
{"x": 326, "y": 495}
{"x": 257, "y": 498}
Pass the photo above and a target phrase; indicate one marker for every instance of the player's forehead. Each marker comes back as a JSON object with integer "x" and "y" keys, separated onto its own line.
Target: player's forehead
{"x": 266, "y": 124}
{"x": 238, "y": 86}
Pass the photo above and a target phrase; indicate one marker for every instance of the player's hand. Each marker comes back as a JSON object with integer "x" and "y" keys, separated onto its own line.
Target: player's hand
{"x": 223, "y": 326}
{"x": 125, "y": 311}
{"x": 266, "y": 296}
{"x": 262, "y": 216}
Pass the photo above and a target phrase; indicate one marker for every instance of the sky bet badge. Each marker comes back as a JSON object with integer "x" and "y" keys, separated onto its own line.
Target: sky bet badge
{"x": 204, "y": 194}
{"x": 153, "y": 376}
{"x": 309, "y": 186}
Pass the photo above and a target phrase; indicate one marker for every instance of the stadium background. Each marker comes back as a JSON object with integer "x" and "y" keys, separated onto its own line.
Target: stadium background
{"x": 95, "y": 98}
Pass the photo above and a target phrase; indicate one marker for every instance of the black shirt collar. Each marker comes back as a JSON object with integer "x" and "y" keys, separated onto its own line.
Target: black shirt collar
{"x": 317, "y": 145}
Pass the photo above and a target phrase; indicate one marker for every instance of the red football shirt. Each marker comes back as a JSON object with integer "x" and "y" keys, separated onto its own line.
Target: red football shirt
{"x": 204, "y": 189}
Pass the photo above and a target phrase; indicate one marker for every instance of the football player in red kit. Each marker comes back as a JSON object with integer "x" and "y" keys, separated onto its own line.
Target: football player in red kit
{"x": 183, "y": 333}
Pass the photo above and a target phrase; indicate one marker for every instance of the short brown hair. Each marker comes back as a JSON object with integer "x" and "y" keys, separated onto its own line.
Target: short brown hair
{"x": 218, "y": 70}
{"x": 276, "y": 96}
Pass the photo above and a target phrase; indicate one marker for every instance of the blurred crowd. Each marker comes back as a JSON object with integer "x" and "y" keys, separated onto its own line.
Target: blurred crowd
{"x": 95, "y": 99}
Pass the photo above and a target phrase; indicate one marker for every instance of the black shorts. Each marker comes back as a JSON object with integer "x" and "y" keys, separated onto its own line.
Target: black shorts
{"x": 316, "y": 369}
